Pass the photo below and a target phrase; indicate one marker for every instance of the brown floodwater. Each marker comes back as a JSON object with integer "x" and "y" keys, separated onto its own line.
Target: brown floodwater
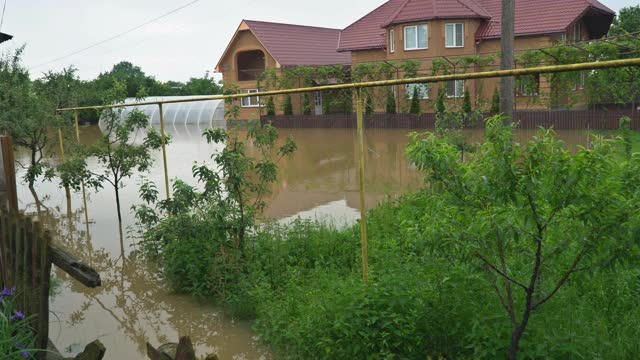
{"x": 133, "y": 306}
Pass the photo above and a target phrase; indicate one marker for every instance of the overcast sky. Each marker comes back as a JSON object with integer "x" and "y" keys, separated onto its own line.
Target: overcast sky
{"x": 182, "y": 45}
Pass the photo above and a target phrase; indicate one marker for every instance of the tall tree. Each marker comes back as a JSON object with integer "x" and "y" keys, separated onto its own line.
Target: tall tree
{"x": 507, "y": 97}
{"x": 627, "y": 21}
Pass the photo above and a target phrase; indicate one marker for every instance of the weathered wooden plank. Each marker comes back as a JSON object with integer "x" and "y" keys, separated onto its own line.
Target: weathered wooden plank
{"x": 43, "y": 289}
{"x": 86, "y": 275}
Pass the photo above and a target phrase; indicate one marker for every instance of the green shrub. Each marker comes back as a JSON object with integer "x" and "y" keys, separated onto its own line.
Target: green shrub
{"x": 287, "y": 106}
{"x": 391, "y": 103}
{"x": 271, "y": 106}
{"x": 495, "y": 102}
{"x": 415, "y": 102}
{"x": 306, "y": 104}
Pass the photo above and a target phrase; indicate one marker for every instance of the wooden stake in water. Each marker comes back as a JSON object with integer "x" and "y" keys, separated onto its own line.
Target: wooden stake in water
{"x": 164, "y": 151}
{"x": 363, "y": 208}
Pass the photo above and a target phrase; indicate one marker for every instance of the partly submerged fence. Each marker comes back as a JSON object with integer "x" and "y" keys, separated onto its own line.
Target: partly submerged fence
{"x": 526, "y": 119}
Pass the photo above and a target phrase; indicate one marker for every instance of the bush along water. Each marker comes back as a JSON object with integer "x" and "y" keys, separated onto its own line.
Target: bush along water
{"x": 17, "y": 341}
{"x": 519, "y": 251}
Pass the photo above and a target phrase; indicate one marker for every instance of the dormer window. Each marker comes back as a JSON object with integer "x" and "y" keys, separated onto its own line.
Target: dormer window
{"x": 577, "y": 32}
{"x": 416, "y": 37}
{"x": 454, "y": 35}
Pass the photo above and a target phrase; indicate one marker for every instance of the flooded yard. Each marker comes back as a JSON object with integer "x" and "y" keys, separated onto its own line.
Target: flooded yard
{"x": 133, "y": 307}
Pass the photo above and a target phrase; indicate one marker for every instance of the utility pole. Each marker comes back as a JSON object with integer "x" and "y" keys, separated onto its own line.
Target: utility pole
{"x": 507, "y": 40}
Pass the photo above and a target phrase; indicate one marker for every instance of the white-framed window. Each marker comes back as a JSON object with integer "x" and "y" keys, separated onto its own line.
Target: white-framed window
{"x": 416, "y": 37}
{"x": 392, "y": 41}
{"x": 563, "y": 37}
{"x": 454, "y": 35}
{"x": 253, "y": 101}
{"x": 582, "y": 79}
{"x": 455, "y": 88}
{"x": 528, "y": 85}
{"x": 424, "y": 90}
{"x": 577, "y": 32}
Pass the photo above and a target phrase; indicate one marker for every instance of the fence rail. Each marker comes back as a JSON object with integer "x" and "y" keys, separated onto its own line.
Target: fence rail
{"x": 527, "y": 119}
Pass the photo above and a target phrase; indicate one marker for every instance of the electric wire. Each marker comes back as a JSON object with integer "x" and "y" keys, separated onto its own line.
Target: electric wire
{"x": 115, "y": 36}
{"x": 4, "y": 7}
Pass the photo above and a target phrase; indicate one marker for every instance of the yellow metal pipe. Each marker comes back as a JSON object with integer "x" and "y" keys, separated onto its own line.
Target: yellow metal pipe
{"x": 164, "y": 151}
{"x": 61, "y": 141}
{"x": 425, "y": 79}
{"x": 84, "y": 192}
{"x": 363, "y": 207}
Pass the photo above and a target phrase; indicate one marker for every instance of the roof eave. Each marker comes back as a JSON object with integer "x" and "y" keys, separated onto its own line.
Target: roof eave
{"x": 536, "y": 33}
{"x": 362, "y": 48}
{"x": 435, "y": 18}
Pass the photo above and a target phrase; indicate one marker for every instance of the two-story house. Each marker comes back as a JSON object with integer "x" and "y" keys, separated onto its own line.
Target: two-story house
{"x": 419, "y": 30}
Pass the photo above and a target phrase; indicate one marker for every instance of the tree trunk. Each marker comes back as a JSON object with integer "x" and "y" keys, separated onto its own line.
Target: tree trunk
{"x": 506, "y": 63}
{"x": 118, "y": 202}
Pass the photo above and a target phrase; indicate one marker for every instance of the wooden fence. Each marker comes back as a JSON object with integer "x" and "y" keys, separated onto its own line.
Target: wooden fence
{"x": 529, "y": 119}
{"x": 27, "y": 255}
{"x": 26, "y": 266}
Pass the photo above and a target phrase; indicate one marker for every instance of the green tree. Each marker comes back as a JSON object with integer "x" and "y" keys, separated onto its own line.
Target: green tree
{"x": 440, "y": 106}
{"x": 415, "y": 101}
{"x": 271, "y": 106}
{"x": 115, "y": 151}
{"x": 132, "y": 76}
{"x": 287, "y": 106}
{"x": 26, "y": 115}
{"x": 466, "y": 105}
{"x": 369, "y": 106}
{"x": 495, "y": 102}
{"x": 627, "y": 21}
{"x": 529, "y": 217}
{"x": 206, "y": 85}
{"x": 391, "y": 103}
{"x": 306, "y": 104}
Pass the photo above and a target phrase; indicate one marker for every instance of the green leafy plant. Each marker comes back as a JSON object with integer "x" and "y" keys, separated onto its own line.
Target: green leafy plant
{"x": 271, "y": 107}
{"x": 495, "y": 102}
{"x": 306, "y": 104}
{"x": 201, "y": 236}
{"x": 415, "y": 101}
{"x": 287, "y": 106}
{"x": 391, "y": 103}
{"x": 17, "y": 340}
{"x": 531, "y": 216}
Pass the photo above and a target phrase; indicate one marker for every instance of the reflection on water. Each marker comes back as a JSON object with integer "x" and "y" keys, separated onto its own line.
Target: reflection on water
{"x": 133, "y": 307}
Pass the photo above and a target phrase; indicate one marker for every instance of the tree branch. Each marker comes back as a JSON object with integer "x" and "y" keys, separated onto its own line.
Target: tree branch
{"x": 499, "y": 272}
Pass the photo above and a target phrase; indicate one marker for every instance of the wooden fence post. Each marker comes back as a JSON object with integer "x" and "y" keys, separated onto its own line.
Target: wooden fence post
{"x": 9, "y": 172}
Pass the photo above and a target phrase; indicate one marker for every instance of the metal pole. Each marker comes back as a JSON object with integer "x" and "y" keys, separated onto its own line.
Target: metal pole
{"x": 84, "y": 192}
{"x": 66, "y": 188}
{"x": 363, "y": 209}
{"x": 164, "y": 152}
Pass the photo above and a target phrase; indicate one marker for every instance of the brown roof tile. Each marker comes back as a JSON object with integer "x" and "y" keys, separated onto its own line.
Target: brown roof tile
{"x": 532, "y": 17}
{"x": 299, "y": 45}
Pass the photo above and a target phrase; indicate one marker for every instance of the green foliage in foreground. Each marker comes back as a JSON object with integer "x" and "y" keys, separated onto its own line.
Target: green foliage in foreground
{"x": 16, "y": 337}
{"x": 452, "y": 267}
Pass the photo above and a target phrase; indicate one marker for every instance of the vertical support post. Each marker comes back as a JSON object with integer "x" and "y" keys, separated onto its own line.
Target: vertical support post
{"x": 61, "y": 141}
{"x": 363, "y": 208}
{"x": 8, "y": 161}
{"x": 164, "y": 151}
{"x": 84, "y": 192}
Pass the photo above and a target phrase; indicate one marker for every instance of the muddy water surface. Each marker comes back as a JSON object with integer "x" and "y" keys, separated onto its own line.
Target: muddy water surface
{"x": 133, "y": 307}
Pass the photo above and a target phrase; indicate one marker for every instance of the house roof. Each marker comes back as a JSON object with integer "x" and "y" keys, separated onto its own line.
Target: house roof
{"x": 416, "y": 10}
{"x": 532, "y": 17}
{"x": 296, "y": 44}
{"x": 4, "y": 37}
{"x": 540, "y": 16}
